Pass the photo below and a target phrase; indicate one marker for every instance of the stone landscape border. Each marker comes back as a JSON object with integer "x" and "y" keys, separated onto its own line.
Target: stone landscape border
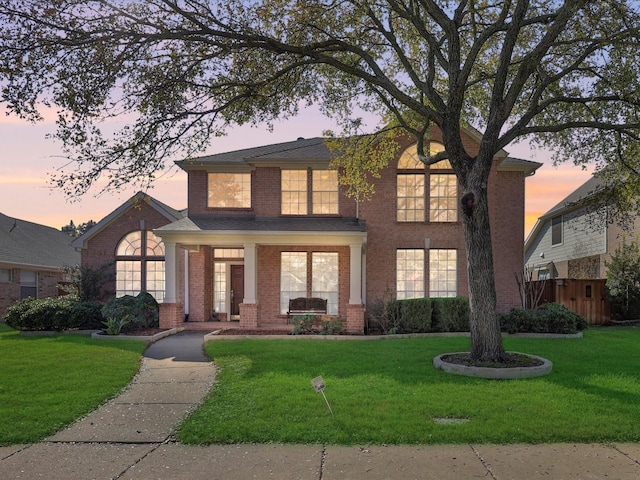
{"x": 505, "y": 373}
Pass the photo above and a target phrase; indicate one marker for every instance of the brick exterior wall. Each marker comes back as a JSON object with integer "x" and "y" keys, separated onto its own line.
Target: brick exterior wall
{"x": 47, "y": 286}
{"x": 384, "y": 236}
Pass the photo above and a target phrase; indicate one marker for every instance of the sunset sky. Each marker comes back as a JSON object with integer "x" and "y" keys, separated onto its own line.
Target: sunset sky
{"x": 29, "y": 159}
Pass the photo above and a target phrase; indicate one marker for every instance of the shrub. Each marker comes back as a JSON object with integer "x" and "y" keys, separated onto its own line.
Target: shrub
{"x": 305, "y": 324}
{"x": 136, "y": 313}
{"x": 378, "y": 314}
{"x": 414, "y": 315}
{"x": 335, "y": 326}
{"x": 547, "y": 318}
{"x": 54, "y": 313}
{"x": 450, "y": 314}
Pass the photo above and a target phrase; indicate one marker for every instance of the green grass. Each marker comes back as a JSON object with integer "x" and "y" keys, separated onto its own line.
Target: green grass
{"x": 48, "y": 382}
{"x": 387, "y": 392}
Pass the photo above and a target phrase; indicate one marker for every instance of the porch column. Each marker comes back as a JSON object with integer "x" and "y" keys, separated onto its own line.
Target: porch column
{"x": 250, "y": 273}
{"x": 170, "y": 272}
{"x": 355, "y": 274}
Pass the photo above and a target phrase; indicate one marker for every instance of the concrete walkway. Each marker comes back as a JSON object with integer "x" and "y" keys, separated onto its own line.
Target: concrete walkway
{"x": 131, "y": 437}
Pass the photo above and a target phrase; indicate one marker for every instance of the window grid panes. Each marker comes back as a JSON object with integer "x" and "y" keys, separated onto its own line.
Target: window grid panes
{"x": 229, "y": 190}
{"x": 228, "y": 252}
{"x": 410, "y": 190}
{"x": 293, "y": 278}
{"x": 128, "y": 277}
{"x": 325, "y": 192}
{"x": 324, "y": 279}
{"x": 409, "y": 273}
{"x": 443, "y": 193}
{"x": 140, "y": 265}
{"x": 220, "y": 287}
{"x": 294, "y": 192}
{"x": 443, "y": 272}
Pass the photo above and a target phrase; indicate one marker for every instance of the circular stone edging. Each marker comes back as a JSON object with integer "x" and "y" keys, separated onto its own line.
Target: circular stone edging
{"x": 494, "y": 373}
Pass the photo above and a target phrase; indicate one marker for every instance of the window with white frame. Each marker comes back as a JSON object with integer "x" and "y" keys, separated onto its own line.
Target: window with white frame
{"x": 443, "y": 273}
{"x": 293, "y": 277}
{"x": 409, "y": 273}
{"x": 229, "y": 190}
{"x": 443, "y": 195}
{"x": 324, "y": 279}
{"x": 294, "y": 192}
{"x": 296, "y": 267}
{"x": 325, "y": 192}
{"x": 140, "y": 265}
{"x": 220, "y": 287}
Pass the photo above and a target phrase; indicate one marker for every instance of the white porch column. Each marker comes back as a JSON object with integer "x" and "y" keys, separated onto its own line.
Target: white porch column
{"x": 355, "y": 274}
{"x": 170, "y": 272}
{"x": 250, "y": 273}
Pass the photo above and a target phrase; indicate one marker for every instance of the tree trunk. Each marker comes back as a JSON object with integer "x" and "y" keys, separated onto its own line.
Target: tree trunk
{"x": 486, "y": 339}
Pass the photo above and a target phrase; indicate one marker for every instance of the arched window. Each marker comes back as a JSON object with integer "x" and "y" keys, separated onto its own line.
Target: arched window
{"x": 411, "y": 191}
{"x": 140, "y": 265}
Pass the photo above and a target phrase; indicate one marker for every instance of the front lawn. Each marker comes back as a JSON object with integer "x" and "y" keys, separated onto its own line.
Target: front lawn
{"x": 48, "y": 382}
{"x": 387, "y": 392}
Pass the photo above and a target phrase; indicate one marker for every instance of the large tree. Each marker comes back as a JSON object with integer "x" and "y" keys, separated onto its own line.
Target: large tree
{"x": 180, "y": 72}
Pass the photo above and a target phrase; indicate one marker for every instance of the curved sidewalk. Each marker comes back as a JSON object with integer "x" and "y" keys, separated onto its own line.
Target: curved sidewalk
{"x": 131, "y": 437}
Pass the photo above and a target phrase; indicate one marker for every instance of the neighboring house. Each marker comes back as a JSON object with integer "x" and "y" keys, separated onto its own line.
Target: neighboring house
{"x": 271, "y": 223}
{"x": 569, "y": 247}
{"x": 32, "y": 260}
{"x": 572, "y": 240}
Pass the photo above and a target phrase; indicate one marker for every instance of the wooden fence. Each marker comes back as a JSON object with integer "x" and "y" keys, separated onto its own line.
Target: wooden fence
{"x": 586, "y": 297}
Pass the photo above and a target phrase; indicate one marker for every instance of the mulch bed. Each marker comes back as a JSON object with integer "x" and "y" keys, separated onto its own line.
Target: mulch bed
{"x": 511, "y": 360}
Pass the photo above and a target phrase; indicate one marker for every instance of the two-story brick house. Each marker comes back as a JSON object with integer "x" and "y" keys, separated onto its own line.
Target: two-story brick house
{"x": 271, "y": 223}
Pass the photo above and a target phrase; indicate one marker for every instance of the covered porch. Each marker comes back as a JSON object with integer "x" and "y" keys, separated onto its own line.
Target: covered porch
{"x": 242, "y": 271}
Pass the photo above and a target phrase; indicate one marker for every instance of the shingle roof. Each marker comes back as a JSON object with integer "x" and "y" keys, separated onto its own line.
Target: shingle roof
{"x": 25, "y": 243}
{"x": 301, "y": 149}
{"x": 204, "y": 223}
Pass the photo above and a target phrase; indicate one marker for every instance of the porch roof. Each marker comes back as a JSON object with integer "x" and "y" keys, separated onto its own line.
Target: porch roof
{"x": 244, "y": 223}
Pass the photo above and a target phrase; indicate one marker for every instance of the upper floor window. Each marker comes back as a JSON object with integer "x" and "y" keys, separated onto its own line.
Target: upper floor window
{"x": 294, "y": 192}
{"x": 556, "y": 230}
{"x": 140, "y": 265}
{"x": 229, "y": 190}
{"x": 325, "y": 191}
{"x": 411, "y": 194}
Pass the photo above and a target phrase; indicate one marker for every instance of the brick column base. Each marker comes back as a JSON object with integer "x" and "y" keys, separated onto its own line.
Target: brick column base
{"x": 355, "y": 319}
{"x": 248, "y": 315}
{"x": 171, "y": 315}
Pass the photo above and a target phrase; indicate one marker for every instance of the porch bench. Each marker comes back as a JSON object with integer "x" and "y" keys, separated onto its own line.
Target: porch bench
{"x": 306, "y": 306}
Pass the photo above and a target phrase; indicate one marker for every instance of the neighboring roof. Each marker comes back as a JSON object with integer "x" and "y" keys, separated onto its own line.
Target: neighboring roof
{"x": 27, "y": 244}
{"x": 519, "y": 165}
{"x": 171, "y": 214}
{"x": 245, "y": 223}
{"x": 570, "y": 202}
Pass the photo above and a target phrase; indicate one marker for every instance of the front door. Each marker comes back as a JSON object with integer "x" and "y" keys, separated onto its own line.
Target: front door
{"x": 237, "y": 288}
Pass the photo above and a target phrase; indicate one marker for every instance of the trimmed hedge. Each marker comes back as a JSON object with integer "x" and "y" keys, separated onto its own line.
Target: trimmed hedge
{"x": 547, "y": 318}
{"x": 451, "y": 314}
{"x": 54, "y": 313}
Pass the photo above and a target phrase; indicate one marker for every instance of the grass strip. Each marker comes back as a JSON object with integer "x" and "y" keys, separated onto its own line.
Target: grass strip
{"x": 387, "y": 392}
{"x": 48, "y": 382}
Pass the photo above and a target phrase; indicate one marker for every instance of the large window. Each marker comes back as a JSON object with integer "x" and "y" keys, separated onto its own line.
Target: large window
{"x": 443, "y": 194}
{"x": 140, "y": 265}
{"x": 409, "y": 273}
{"x": 294, "y": 192}
{"x": 443, "y": 273}
{"x": 293, "y": 277}
{"x": 411, "y": 194}
{"x": 324, "y": 279}
{"x": 229, "y": 190}
{"x": 556, "y": 230}
{"x": 325, "y": 192}
{"x": 295, "y": 268}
